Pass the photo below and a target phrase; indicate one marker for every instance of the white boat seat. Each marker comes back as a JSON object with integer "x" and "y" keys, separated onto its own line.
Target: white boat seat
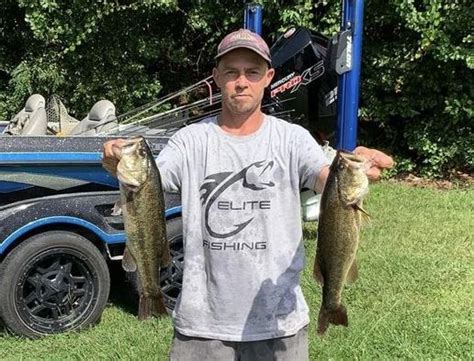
{"x": 31, "y": 120}
{"x": 101, "y": 118}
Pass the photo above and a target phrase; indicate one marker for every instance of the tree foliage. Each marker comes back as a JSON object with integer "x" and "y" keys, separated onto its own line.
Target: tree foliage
{"x": 418, "y": 82}
{"x": 417, "y": 79}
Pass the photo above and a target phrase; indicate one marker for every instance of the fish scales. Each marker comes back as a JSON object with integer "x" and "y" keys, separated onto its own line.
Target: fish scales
{"x": 338, "y": 235}
{"x": 143, "y": 207}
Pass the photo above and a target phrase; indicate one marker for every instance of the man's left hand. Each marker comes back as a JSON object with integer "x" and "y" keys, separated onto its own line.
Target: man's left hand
{"x": 377, "y": 161}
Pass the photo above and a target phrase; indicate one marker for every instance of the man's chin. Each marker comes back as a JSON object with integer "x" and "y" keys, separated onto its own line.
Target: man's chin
{"x": 242, "y": 110}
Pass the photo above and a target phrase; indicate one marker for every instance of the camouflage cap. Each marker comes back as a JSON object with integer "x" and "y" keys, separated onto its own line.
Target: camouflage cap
{"x": 244, "y": 38}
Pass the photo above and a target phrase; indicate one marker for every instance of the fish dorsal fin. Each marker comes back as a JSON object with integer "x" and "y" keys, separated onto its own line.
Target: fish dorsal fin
{"x": 128, "y": 262}
{"x": 353, "y": 273}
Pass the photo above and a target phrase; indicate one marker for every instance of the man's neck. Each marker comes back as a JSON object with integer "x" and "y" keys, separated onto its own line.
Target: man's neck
{"x": 240, "y": 124}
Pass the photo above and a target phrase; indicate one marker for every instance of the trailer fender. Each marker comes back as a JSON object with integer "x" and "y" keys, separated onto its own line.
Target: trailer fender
{"x": 108, "y": 238}
{"x": 105, "y": 237}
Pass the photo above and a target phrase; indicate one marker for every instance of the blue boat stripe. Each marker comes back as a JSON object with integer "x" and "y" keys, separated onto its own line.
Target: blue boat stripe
{"x": 50, "y": 157}
{"x": 104, "y": 236}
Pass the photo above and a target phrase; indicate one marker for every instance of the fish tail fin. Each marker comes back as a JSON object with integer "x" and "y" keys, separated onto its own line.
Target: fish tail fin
{"x": 337, "y": 316}
{"x": 149, "y": 306}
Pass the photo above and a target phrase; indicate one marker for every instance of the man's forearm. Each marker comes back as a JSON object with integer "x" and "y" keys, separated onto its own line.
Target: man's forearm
{"x": 330, "y": 154}
{"x": 321, "y": 180}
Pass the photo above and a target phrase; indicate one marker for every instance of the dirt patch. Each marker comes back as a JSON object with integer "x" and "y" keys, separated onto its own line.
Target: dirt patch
{"x": 458, "y": 180}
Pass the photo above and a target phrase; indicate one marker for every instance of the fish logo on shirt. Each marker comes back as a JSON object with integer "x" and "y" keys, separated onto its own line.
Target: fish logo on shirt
{"x": 255, "y": 177}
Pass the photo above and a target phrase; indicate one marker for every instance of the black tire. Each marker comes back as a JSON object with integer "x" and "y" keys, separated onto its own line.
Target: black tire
{"x": 171, "y": 277}
{"x": 53, "y": 282}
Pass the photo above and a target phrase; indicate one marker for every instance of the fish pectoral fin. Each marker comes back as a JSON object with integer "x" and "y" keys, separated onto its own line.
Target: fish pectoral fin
{"x": 117, "y": 209}
{"x": 353, "y": 273}
{"x": 359, "y": 208}
{"x": 318, "y": 276}
{"x": 128, "y": 262}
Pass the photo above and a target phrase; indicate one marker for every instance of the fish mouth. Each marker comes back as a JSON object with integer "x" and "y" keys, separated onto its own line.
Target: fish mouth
{"x": 353, "y": 175}
{"x": 131, "y": 144}
{"x": 130, "y": 169}
{"x": 353, "y": 160}
{"x": 351, "y": 157}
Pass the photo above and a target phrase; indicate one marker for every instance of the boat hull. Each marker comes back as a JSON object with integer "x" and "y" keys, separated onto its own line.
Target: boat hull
{"x": 48, "y": 165}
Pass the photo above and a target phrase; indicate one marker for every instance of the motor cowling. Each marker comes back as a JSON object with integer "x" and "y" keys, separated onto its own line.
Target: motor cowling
{"x": 304, "y": 90}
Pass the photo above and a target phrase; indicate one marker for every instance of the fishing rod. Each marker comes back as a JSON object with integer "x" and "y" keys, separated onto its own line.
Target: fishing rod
{"x": 157, "y": 119}
{"x": 171, "y": 96}
{"x": 198, "y": 117}
{"x": 147, "y": 107}
{"x": 199, "y": 104}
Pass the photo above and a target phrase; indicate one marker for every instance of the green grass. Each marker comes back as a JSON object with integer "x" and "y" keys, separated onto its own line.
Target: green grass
{"x": 413, "y": 299}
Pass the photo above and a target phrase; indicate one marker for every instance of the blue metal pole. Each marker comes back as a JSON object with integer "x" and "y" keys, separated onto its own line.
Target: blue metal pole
{"x": 253, "y": 18}
{"x": 348, "y": 87}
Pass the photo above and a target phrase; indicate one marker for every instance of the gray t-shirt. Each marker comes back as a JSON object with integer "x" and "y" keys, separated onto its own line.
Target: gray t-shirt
{"x": 243, "y": 241}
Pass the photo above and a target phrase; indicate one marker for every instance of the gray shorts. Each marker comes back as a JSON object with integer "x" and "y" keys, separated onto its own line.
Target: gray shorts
{"x": 291, "y": 348}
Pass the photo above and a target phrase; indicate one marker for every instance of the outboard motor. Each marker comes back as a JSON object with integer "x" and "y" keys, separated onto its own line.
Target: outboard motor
{"x": 303, "y": 90}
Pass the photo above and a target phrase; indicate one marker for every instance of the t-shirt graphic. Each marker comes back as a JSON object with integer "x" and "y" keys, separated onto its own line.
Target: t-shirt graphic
{"x": 222, "y": 192}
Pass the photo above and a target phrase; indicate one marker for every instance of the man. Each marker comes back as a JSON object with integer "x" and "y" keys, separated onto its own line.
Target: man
{"x": 240, "y": 175}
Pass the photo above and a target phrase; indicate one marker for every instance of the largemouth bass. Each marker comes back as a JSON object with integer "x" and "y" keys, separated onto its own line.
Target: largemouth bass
{"x": 143, "y": 209}
{"x": 338, "y": 235}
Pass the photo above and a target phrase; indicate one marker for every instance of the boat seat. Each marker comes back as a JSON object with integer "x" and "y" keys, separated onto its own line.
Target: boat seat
{"x": 101, "y": 119}
{"x": 31, "y": 120}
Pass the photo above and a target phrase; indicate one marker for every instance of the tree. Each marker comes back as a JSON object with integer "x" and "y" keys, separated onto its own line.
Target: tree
{"x": 417, "y": 79}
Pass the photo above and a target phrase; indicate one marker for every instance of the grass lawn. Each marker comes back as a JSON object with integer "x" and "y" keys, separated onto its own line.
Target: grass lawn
{"x": 413, "y": 299}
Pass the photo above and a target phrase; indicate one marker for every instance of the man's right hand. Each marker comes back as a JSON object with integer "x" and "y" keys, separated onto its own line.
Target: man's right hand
{"x": 111, "y": 154}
